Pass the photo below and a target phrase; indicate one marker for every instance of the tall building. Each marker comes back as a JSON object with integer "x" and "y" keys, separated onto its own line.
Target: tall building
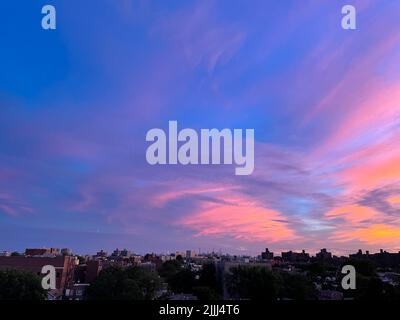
{"x": 291, "y": 256}
{"x": 383, "y": 258}
{"x": 126, "y": 253}
{"x": 116, "y": 253}
{"x": 324, "y": 255}
{"x": 267, "y": 255}
{"x": 101, "y": 254}
{"x": 66, "y": 252}
{"x": 190, "y": 254}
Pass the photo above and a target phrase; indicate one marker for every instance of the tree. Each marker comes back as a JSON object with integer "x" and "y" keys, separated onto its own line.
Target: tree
{"x": 317, "y": 269}
{"x": 147, "y": 281}
{"x": 183, "y": 281}
{"x": 208, "y": 277}
{"x": 20, "y": 285}
{"x": 209, "y": 288}
{"x": 82, "y": 260}
{"x": 169, "y": 268}
{"x": 373, "y": 289}
{"x": 363, "y": 266}
{"x": 117, "y": 283}
{"x": 255, "y": 283}
{"x": 296, "y": 286}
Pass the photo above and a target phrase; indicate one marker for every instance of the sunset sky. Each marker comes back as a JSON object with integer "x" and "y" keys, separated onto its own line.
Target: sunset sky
{"x": 76, "y": 104}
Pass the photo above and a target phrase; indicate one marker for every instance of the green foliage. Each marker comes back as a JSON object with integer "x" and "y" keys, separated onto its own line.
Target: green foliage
{"x": 206, "y": 293}
{"x": 296, "y": 286}
{"x": 183, "y": 281}
{"x": 372, "y": 288}
{"x": 255, "y": 283}
{"x": 169, "y": 268}
{"x": 317, "y": 269}
{"x": 132, "y": 283}
{"x": 391, "y": 293}
{"x": 81, "y": 259}
{"x": 363, "y": 267}
{"x": 208, "y": 277}
{"x": 208, "y": 287}
{"x": 20, "y": 285}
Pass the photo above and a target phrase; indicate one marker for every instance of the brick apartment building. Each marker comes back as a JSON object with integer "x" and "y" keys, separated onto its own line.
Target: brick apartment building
{"x": 64, "y": 266}
{"x": 42, "y": 252}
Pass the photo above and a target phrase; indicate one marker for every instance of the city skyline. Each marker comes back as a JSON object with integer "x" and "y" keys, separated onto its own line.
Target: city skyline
{"x": 324, "y": 103}
{"x": 199, "y": 251}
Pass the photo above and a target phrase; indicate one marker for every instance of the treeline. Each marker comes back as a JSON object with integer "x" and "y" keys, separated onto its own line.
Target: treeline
{"x": 177, "y": 277}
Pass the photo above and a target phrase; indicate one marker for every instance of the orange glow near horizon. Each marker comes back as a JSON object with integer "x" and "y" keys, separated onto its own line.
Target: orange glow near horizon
{"x": 382, "y": 234}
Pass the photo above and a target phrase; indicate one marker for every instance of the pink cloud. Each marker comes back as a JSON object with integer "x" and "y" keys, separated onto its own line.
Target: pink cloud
{"x": 353, "y": 214}
{"x": 394, "y": 200}
{"x": 244, "y": 220}
{"x": 12, "y": 206}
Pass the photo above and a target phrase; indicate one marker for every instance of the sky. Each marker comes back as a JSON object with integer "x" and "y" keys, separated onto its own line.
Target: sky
{"x": 76, "y": 104}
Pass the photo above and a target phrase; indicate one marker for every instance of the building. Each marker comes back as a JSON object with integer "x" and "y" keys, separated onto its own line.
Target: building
{"x": 391, "y": 278}
{"x": 101, "y": 254}
{"x": 66, "y": 252}
{"x": 151, "y": 266}
{"x": 116, "y": 253}
{"x": 64, "y": 266}
{"x": 323, "y": 255}
{"x": 329, "y": 295}
{"x": 267, "y": 255}
{"x": 126, "y": 253}
{"x": 382, "y": 258}
{"x": 93, "y": 269}
{"x": 77, "y": 291}
{"x": 179, "y": 253}
{"x": 190, "y": 254}
{"x": 291, "y": 256}
{"x": 42, "y": 252}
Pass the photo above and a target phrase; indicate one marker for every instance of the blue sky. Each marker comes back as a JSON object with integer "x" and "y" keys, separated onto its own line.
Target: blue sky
{"x": 76, "y": 103}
